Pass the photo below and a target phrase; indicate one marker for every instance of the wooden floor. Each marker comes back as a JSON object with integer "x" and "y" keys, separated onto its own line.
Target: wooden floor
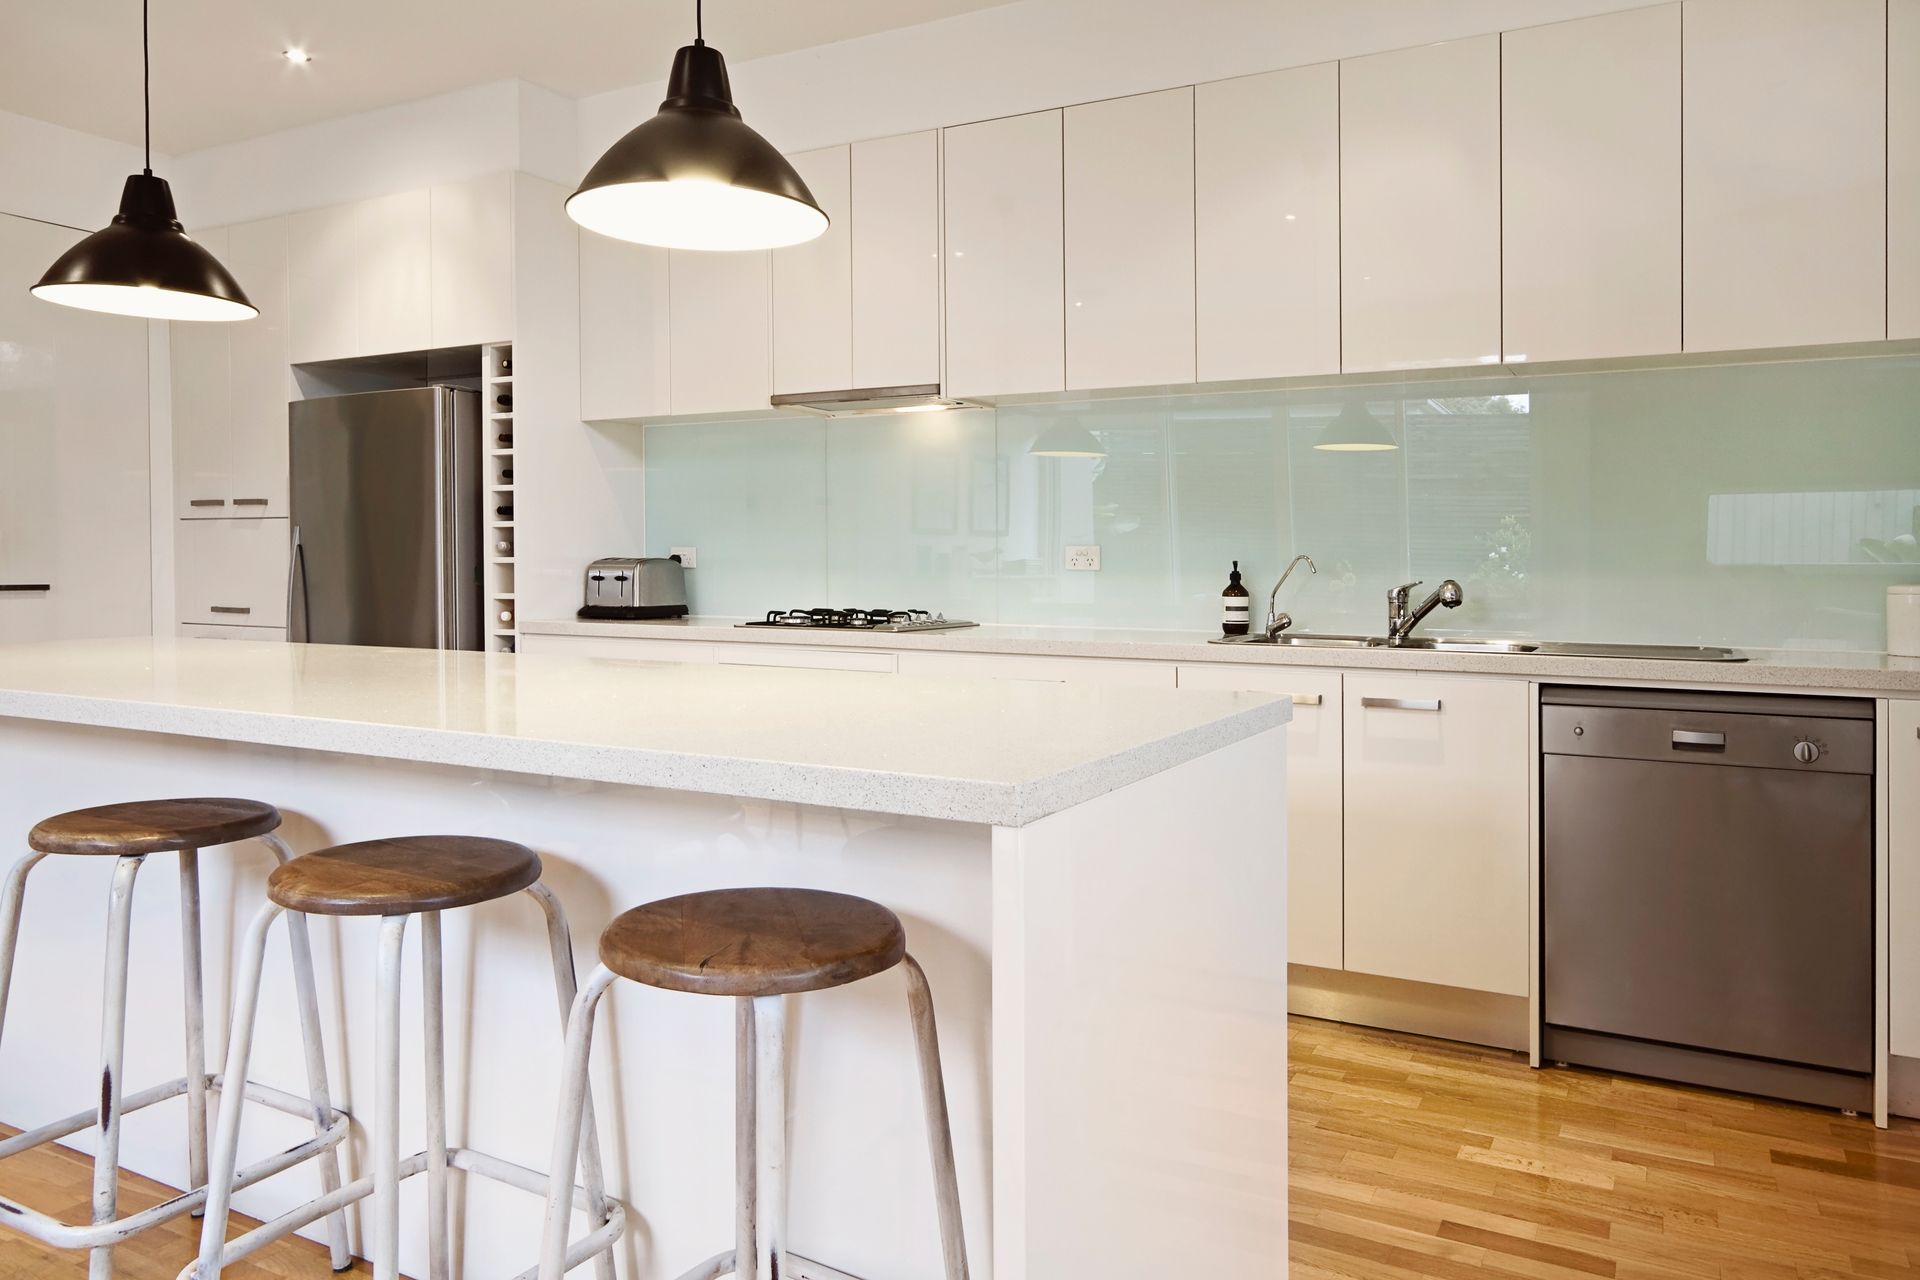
{"x": 1416, "y": 1157}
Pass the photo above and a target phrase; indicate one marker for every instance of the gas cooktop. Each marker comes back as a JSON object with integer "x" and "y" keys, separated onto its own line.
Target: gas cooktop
{"x": 860, "y": 620}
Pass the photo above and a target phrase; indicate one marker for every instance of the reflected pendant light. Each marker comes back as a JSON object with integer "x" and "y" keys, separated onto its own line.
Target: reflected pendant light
{"x": 1356, "y": 430}
{"x": 1067, "y": 438}
{"x": 143, "y": 263}
{"x": 695, "y": 176}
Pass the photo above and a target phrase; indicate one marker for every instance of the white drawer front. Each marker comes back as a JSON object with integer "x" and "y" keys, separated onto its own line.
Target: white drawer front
{"x": 638, "y": 649}
{"x": 998, "y": 666}
{"x": 770, "y": 655}
{"x": 231, "y": 572}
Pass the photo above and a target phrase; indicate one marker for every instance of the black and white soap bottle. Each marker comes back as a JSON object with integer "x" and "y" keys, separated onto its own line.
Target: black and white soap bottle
{"x": 1235, "y": 605}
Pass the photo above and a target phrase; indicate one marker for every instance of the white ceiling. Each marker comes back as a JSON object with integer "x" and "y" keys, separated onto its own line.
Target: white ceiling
{"x": 218, "y": 73}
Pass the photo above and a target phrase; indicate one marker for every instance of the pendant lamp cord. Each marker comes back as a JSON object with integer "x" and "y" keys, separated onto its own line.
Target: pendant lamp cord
{"x": 699, "y": 21}
{"x": 146, "y": 86}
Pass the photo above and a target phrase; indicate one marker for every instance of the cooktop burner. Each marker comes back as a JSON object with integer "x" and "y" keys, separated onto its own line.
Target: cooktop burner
{"x": 861, "y": 620}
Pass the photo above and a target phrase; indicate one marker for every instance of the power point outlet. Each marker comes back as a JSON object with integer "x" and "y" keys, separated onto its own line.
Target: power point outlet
{"x": 1086, "y": 559}
{"x": 688, "y": 557}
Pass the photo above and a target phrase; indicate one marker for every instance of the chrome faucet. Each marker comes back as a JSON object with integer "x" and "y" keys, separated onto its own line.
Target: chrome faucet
{"x": 1401, "y": 621}
{"x": 1278, "y": 622}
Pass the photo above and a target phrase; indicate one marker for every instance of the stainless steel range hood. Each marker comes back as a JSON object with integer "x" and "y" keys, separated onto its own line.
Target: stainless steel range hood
{"x": 925, "y": 398}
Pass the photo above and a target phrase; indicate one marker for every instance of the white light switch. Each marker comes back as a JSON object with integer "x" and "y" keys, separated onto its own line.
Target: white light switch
{"x": 1084, "y": 558}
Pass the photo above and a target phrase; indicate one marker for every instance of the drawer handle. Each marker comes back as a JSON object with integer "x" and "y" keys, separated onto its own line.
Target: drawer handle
{"x": 1306, "y": 699}
{"x": 25, "y": 586}
{"x": 1698, "y": 740}
{"x": 252, "y": 502}
{"x": 206, "y": 502}
{"x": 1401, "y": 704}
{"x": 228, "y": 608}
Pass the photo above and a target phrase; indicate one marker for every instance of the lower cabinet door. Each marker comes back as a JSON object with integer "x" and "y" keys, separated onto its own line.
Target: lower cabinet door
{"x": 1902, "y": 784}
{"x": 1017, "y": 666}
{"x": 1436, "y": 830}
{"x": 212, "y": 631}
{"x": 1315, "y": 925}
{"x": 231, "y": 572}
{"x": 636, "y": 650}
{"x": 805, "y": 657}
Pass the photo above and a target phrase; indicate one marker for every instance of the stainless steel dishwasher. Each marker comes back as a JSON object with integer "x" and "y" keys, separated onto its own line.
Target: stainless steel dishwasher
{"x": 1707, "y": 887}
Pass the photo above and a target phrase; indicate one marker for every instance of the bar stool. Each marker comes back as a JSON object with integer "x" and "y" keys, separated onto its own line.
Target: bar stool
{"x": 397, "y": 880}
{"x": 758, "y": 946}
{"x": 129, "y": 833}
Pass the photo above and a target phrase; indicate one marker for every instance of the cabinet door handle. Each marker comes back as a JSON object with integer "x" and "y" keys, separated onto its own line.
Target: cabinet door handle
{"x": 25, "y": 586}
{"x": 1401, "y": 704}
{"x": 206, "y": 502}
{"x": 228, "y": 608}
{"x": 1306, "y": 699}
{"x": 251, "y": 502}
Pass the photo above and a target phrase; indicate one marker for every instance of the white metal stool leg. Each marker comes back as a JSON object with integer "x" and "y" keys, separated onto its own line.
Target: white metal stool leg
{"x": 770, "y": 1261}
{"x": 439, "y": 1233}
{"x": 569, "y": 1122}
{"x": 193, "y": 984}
{"x": 300, "y": 942}
{"x": 933, "y": 1090}
{"x": 12, "y": 897}
{"x": 385, "y": 1215}
{"x": 226, "y": 1146}
{"x": 113, "y": 1038}
{"x": 746, "y": 1150}
{"x": 565, "y": 983}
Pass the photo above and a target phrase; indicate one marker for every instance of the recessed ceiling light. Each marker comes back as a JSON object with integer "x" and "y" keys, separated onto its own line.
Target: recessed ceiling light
{"x": 297, "y": 56}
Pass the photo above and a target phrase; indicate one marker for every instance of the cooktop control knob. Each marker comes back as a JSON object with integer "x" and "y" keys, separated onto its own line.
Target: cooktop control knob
{"x": 1806, "y": 752}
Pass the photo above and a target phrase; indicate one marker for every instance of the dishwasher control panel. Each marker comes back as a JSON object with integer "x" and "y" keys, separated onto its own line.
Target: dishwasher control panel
{"x": 1759, "y": 735}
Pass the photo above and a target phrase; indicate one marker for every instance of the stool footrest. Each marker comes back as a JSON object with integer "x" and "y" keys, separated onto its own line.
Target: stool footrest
{"x": 722, "y": 1264}
{"x": 64, "y": 1235}
{"x": 477, "y": 1163}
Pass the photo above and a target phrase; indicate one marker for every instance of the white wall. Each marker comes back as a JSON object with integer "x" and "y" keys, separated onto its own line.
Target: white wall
{"x": 1049, "y": 53}
{"x": 63, "y": 175}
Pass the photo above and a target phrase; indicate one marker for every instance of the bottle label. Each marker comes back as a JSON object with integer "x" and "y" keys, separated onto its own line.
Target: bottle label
{"x": 1236, "y": 609}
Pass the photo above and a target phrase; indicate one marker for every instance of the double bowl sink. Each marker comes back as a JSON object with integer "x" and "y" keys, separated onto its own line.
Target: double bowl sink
{"x": 1474, "y": 644}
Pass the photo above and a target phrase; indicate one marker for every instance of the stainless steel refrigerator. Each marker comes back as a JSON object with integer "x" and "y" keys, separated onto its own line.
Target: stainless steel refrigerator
{"x": 386, "y": 520}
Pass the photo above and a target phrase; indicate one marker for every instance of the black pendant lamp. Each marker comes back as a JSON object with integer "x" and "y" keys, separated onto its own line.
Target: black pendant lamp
{"x": 143, "y": 263}
{"x": 695, "y": 176}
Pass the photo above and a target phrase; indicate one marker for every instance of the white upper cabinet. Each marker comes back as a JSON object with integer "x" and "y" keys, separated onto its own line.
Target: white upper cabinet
{"x": 1130, "y": 241}
{"x": 896, "y": 261}
{"x": 1004, "y": 267}
{"x": 1590, "y": 118}
{"x": 201, "y": 356}
{"x": 813, "y": 285}
{"x": 323, "y": 248}
{"x": 1903, "y": 177}
{"x": 623, "y": 330}
{"x": 1267, "y": 209}
{"x": 472, "y": 258}
{"x": 1420, "y": 206}
{"x": 720, "y": 331}
{"x": 1786, "y": 168}
{"x": 394, "y": 273}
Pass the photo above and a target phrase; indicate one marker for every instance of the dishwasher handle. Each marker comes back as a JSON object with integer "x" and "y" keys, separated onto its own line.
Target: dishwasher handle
{"x": 1698, "y": 740}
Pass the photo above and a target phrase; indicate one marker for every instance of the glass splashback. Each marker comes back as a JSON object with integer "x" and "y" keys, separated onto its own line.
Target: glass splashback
{"x": 1763, "y": 505}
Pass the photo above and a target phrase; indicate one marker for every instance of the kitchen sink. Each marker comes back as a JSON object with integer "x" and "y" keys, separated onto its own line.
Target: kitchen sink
{"x": 1477, "y": 644}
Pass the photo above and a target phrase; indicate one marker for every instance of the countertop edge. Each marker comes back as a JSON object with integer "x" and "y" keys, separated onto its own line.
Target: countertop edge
{"x": 1773, "y": 672}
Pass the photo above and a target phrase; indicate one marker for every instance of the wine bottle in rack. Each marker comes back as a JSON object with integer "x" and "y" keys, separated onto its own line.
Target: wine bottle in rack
{"x": 506, "y": 617}
{"x": 506, "y": 365}
{"x": 504, "y": 402}
{"x": 506, "y": 440}
{"x": 506, "y": 475}
{"x": 504, "y": 546}
{"x": 505, "y": 513}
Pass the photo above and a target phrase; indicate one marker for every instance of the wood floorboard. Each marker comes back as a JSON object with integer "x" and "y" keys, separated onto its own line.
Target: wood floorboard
{"x": 1421, "y": 1158}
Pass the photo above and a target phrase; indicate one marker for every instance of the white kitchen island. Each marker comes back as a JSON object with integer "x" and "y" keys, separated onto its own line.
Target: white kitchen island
{"x": 1090, "y": 876}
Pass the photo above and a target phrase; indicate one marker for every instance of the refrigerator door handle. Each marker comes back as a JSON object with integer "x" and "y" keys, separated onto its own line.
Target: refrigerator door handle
{"x": 297, "y": 572}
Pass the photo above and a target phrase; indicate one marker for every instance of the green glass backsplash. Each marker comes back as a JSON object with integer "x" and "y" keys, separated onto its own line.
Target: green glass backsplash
{"x": 1765, "y": 505}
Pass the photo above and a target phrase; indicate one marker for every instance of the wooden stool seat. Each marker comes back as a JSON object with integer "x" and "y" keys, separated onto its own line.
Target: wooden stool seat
{"x": 153, "y": 826}
{"x": 403, "y": 876}
{"x": 754, "y": 942}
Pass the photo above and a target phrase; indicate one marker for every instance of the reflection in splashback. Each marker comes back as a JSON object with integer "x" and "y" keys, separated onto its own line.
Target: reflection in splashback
{"x": 1760, "y": 505}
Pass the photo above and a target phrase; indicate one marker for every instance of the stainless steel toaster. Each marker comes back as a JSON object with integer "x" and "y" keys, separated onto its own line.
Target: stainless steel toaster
{"x": 633, "y": 588}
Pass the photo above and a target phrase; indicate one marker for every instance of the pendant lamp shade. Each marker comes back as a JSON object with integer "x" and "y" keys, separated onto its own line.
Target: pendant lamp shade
{"x": 1356, "y": 430}
{"x": 144, "y": 264}
{"x": 695, "y": 176}
{"x": 1067, "y": 438}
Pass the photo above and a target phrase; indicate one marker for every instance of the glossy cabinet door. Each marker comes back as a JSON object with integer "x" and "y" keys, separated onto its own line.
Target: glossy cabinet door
{"x": 720, "y": 308}
{"x": 896, "y": 261}
{"x": 259, "y": 379}
{"x": 472, "y": 260}
{"x": 1315, "y": 843}
{"x": 1043, "y": 670}
{"x": 394, "y": 273}
{"x": 813, "y": 285}
{"x": 1420, "y": 206}
{"x": 1267, "y": 212}
{"x": 1004, "y": 256}
{"x": 624, "y": 369}
{"x": 1130, "y": 241}
{"x": 231, "y": 572}
{"x": 74, "y": 464}
{"x": 1903, "y": 841}
{"x": 323, "y": 247}
{"x": 1436, "y": 830}
{"x": 1903, "y": 176}
{"x": 201, "y": 363}
{"x": 1786, "y": 172}
{"x": 1590, "y": 121}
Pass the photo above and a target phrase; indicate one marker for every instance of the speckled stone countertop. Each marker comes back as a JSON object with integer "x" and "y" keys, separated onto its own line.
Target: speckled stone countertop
{"x": 987, "y": 751}
{"x": 1796, "y": 670}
